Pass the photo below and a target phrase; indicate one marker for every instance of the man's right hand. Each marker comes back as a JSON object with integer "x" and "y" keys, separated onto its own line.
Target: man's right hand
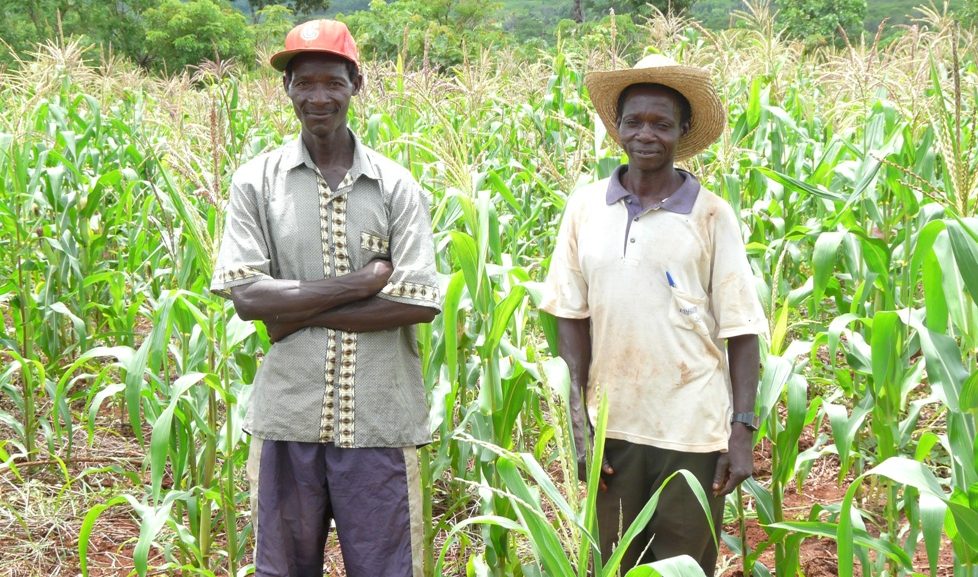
{"x": 278, "y": 331}
{"x": 376, "y": 274}
{"x": 606, "y": 471}
{"x": 583, "y": 439}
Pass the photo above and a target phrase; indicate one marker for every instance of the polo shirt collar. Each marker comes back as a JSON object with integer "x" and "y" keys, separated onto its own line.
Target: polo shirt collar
{"x": 363, "y": 165}
{"x": 681, "y": 201}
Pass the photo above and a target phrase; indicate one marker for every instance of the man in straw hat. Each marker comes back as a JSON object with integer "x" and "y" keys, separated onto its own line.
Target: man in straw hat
{"x": 656, "y": 310}
{"x": 329, "y": 244}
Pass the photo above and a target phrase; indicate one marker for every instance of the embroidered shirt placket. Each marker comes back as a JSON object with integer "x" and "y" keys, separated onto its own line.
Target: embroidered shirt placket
{"x": 347, "y": 362}
{"x": 326, "y": 421}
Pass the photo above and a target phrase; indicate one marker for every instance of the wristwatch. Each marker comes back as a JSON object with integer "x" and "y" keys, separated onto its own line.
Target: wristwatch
{"x": 749, "y": 420}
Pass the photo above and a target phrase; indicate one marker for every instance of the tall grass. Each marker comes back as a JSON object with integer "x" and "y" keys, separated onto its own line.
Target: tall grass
{"x": 853, "y": 173}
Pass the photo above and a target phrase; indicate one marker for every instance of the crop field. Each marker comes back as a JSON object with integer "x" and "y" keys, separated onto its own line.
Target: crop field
{"x": 123, "y": 381}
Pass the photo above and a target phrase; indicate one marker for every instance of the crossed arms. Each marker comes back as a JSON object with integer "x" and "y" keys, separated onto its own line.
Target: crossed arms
{"x": 347, "y": 303}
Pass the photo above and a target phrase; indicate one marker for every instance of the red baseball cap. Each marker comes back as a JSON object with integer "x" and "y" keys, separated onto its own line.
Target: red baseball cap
{"x": 325, "y": 36}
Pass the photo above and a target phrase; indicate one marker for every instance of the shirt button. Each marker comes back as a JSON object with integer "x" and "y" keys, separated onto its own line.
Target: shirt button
{"x": 631, "y": 239}
{"x": 635, "y": 219}
{"x": 628, "y": 201}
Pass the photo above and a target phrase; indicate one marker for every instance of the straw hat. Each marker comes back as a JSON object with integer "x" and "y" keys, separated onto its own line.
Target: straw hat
{"x": 708, "y": 117}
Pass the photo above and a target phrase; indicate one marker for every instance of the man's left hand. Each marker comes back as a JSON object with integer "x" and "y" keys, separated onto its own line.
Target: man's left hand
{"x": 737, "y": 464}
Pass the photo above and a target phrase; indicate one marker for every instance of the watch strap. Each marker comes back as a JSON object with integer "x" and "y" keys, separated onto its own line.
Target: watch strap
{"x": 749, "y": 420}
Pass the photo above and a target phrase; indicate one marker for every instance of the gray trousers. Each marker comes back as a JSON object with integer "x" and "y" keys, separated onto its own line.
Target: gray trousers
{"x": 373, "y": 495}
{"x": 678, "y": 526}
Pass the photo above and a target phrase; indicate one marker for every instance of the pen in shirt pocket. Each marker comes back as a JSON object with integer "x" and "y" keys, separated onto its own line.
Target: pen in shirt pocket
{"x": 672, "y": 283}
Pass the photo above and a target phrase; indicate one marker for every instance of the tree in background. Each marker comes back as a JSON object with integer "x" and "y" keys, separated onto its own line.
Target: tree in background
{"x": 441, "y": 30}
{"x": 716, "y": 14}
{"x": 112, "y": 25}
{"x": 185, "y": 33}
{"x": 533, "y": 25}
{"x": 300, "y": 7}
{"x": 272, "y": 23}
{"x": 620, "y": 35}
{"x": 818, "y": 22}
{"x": 968, "y": 13}
{"x": 599, "y": 8}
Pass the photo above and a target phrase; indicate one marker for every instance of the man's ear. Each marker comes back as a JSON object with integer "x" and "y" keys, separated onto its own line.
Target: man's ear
{"x": 357, "y": 84}
{"x": 285, "y": 82}
{"x": 684, "y": 127}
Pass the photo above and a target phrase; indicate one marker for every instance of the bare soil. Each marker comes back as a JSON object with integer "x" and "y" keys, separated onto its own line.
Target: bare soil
{"x": 41, "y": 515}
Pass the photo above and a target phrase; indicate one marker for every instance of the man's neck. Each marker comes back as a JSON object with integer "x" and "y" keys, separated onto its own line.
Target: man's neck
{"x": 332, "y": 152}
{"x": 652, "y": 186}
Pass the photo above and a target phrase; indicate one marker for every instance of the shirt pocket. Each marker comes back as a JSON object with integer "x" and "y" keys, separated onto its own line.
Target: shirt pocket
{"x": 373, "y": 246}
{"x": 686, "y": 311}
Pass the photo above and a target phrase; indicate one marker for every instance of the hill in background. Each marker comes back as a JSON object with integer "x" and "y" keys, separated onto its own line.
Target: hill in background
{"x": 717, "y": 14}
{"x": 538, "y": 18}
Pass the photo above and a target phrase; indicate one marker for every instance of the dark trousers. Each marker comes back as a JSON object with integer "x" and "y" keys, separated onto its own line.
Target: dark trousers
{"x": 679, "y": 525}
{"x": 373, "y": 495}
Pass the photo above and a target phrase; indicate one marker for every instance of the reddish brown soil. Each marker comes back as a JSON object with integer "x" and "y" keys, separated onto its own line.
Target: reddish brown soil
{"x": 114, "y": 537}
{"x": 819, "y": 557}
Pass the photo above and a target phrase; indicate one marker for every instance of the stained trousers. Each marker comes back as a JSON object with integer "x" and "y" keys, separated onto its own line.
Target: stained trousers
{"x": 679, "y": 525}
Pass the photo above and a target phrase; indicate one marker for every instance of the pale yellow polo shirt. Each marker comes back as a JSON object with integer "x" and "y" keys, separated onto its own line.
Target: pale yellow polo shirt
{"x": 663, "y": 289}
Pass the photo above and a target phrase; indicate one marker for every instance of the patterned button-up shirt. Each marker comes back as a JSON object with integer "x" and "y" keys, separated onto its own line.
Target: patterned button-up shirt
{"x": 284, "y": 222}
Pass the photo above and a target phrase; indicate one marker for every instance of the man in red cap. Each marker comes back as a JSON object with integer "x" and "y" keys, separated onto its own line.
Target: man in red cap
{"x": 329, "y": 244}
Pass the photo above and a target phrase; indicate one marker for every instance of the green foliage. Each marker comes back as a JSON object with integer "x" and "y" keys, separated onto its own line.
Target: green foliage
{"x": 301, "y": 7}
{"x": 531, "y": 20}
{"x": 110, "y": 24}
{"x": 442, "y": 31}
{"x": 818, "y": 22}
{"x": 598, "y": 8}
{"x": 716, "y": 14}
{"x": 968, "y": 13}
{"x": 858, "y": 210}
{"x": 164, "y": 34}
{"x": 619, "y": 35}
{"x": 897, "y": 13}
{"x": 272, "y": 24}
{"x": 347, "y": 6}
{"x": 180, "y": 34}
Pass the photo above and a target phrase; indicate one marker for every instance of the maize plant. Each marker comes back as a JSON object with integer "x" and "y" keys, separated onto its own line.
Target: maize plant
{"x": 124, "y": 383}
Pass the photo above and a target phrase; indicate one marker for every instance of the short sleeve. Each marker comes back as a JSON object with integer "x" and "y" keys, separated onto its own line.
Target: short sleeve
{"x": 565, "y": 291}
{"x": 244, "y": 256}
{"x": 412, "y": 249}
{"x": 736, "y": 306}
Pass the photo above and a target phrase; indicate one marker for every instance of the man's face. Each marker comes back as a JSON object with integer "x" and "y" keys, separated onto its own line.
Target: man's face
{"x": 650, "y": 128}
{"x": 320, "y": 89}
